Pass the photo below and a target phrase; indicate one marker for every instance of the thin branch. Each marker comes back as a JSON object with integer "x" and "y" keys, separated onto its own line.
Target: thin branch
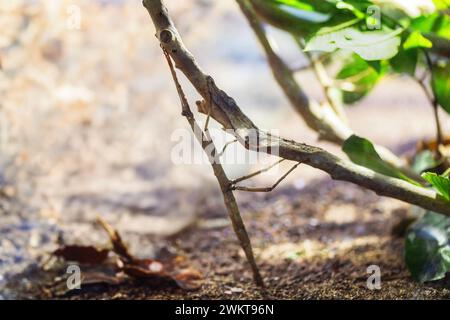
{"x": 225, "y": 110}
{"x": 208, "y": 117}
{"x": 209, "y": 101}
{"x": 230, "y": 202}
{"x": 332, "y": 94}
{"x": 434, "y": 103}
{"x": 300, "y": 67}
{"x": 267, "y": 189}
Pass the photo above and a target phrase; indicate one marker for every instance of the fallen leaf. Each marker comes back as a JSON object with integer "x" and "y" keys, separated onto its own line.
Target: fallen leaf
{"x": 189, "y": 279}
{"x": 82, "y": 254}
{"x": 136, "y": 271}
{"x": 92, "y": 278}
{"x": 158, "y": 272}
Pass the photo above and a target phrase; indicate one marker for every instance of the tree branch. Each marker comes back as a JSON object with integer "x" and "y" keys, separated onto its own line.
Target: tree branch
{"x": 225, "y": 110}
{"x": 325, "y": 119}
{"x": 228, "y": 196}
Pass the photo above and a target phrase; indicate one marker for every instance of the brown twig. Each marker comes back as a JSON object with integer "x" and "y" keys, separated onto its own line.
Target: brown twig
{"x": 221, "y": 153}
{"x": 116, "y": 240}
{"x": 229, "y": 199}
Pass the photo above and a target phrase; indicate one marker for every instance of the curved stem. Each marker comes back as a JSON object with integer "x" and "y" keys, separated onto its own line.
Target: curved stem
{"x": 434, "y": 103}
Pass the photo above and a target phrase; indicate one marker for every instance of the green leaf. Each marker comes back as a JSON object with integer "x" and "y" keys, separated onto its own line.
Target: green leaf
{"x": 361, "y": 151}
{"x": 369, "y": 45}
{"x": 424, "y": 160}
{"x": 440, "y": 83}
{"x": 410, "y": 7}
{"x": 302, "y": 5}
{"x": 442, "y": 4}
{"x": 446, "y": 173}
{"x": 298, "y": 17}
{"x": 440, "y": 183}
{"x": 417, "y": 40}
{"x": 359, "y": 77}
{"x": 347, "y": 5}
{"x": 427, "y": 248}
{"x": 405, "y": 61}
{"x": 437, "y": 24}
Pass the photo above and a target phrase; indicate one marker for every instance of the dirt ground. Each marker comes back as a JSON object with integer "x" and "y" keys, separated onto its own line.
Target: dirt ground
{"x": 314, "y": 242}
{"x": 88, "y": 123}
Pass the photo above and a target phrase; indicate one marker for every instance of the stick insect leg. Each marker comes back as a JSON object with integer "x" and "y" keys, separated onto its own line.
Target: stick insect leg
{"x": 207, "y": 119}
{"x": 251, "y": 175}
{"x": 225, "y": 147}
{"x": 266, "y": 189}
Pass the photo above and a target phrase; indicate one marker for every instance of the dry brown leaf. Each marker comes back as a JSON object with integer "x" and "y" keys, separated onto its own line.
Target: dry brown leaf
{"x": 92, "y": 278}
{"x": 156, "y": 271}
{"x": 82, "y": 254}
{"x": 187, "y": 280}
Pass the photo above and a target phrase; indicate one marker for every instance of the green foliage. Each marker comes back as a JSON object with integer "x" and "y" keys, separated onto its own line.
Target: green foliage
{"x": 440, "y": 183}
{"x": 416, "y": 40}
{"x": 427, "y": 247}
{"x": 361, "y": 151}
{"x": 437, "y": 24}
{"x": 441, "y": 83}
{"x": 394, "y": 36}
{"x": 442, "y": 4}
{"x": 424, "y": 160}
{"x": 405, "y": 61}
{"x": 300, "y": 18}
{"x": 369, "y": 45}
{"x": 358, "y": 78}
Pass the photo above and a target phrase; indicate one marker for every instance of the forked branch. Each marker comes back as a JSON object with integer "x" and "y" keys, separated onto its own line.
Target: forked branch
{"x": 225, "y": 110}
{"x": 229, "y": 199}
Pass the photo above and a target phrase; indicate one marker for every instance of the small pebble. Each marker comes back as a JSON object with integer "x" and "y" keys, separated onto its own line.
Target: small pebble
{"x": 236, "y": 290}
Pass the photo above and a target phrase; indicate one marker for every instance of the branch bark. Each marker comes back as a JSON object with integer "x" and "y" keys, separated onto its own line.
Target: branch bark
{"x": 225, "y": 110}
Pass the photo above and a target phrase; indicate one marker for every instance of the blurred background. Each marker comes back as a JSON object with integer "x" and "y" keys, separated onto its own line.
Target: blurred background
{"x": 88, "y": 113}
